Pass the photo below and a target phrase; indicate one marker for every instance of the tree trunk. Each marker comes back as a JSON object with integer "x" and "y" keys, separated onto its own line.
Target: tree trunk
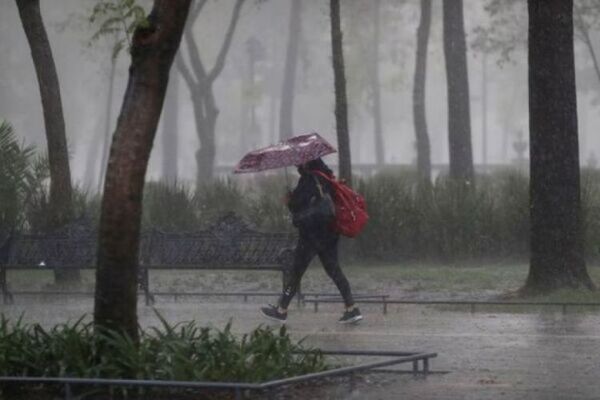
{"x": 171, "y": 130}
{"x": 557, "y": 258}
{"x": 376, "y": 88}
{"x": 341, "y": 104}
{"x": 286, "y": 111}
{"x": 205, "y": 113}
{"x": 91, "y": 161}
{"x": 61, "y": 206}
{"x": 419, "y": 111}
{"x": 200, "y": 82}
{"x": 152, "y": 52}
{"x": 108, "y": 123}
{"x": 459, "y": 118}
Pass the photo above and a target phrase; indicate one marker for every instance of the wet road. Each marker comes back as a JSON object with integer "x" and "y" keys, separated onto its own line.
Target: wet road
{"x": 530, "y": 356}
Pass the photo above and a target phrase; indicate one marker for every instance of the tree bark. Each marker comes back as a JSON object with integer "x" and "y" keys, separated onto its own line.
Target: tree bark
{"x": 459, "y": 118}
{"x": 376, "y": 86}
{"x": 557, "y": 258}
{"x": 170, "y": 131}
{"x": 152, "y": 52}
{"x": 341, "y": 104}
{"x": 286, "y": 110}
{"x": 60, "y": 208}
{"x": 419, "y": 111}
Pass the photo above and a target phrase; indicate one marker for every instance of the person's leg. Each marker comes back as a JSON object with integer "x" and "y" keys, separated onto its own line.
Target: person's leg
{"x": 303, "y": 255}
{"x": 329, "y": 258}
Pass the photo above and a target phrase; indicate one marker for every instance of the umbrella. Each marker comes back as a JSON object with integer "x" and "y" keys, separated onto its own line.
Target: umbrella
{"x": 294, "y": 151}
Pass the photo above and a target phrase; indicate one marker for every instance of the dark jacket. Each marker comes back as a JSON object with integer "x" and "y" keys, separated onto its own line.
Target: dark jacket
{"x": 307, "y": 191}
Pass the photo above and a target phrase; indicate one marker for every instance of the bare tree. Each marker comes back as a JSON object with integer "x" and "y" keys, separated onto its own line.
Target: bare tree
{"x": 459, "y": 117}
{"x": 170, "y": 130}
{"x": 286, "y": 110}
{"x": 419, "y": 112}
{"x": 375, "y": 85}
{"x": 341, "y": 103}
{"x": 557, "y": 258}
{"x": 153, "y": 49}
{"x": 200, "y": 82}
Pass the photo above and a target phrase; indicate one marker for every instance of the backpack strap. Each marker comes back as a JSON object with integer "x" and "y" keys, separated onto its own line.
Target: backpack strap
{"x": 319, "y": 186}
{"x": 323, "y": 175}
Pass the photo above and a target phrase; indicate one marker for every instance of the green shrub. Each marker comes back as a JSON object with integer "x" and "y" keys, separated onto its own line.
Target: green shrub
{"x": 183, "y": 351}
{"x": 169, "y": 207}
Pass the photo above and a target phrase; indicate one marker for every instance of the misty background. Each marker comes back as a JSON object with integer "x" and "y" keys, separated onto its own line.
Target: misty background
{"x": 248, "y": 91}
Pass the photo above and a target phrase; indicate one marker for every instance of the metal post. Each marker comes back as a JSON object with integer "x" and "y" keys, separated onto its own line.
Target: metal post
{"x": 384, "y": 305}
{"x": 68, "y": 393}
{"x": 352, "y": 382}
{"x": 316, "y": 305}
{"x": 3, "y": 285}
{"x": 415, "y": 367}
{"x": 426, "y": 366}
{"x": 238, "y": 394}
{"x": 145, "y": 282}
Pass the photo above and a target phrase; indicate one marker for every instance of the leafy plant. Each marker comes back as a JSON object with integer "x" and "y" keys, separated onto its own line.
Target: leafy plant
{"x": 119, "y": 19}
{"x": 182, "y": 351}
{"x": 18, "y": 178}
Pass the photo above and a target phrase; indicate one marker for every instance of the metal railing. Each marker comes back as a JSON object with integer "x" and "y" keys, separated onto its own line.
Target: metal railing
{"x": 419, "y": 360}
{"x": 471, "y": 303}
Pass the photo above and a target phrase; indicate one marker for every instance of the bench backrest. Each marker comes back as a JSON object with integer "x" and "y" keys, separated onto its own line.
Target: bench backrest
{"x": 230, "y": 242}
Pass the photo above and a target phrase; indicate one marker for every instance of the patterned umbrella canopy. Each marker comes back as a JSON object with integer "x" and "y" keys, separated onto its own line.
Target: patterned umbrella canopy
{"x": 294, "y": 151}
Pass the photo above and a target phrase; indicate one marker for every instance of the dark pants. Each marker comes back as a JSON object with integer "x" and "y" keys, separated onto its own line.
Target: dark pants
{"x": 326, "y": 247}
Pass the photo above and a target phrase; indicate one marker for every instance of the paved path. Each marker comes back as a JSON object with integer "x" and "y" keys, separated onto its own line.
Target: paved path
{"x": 490, "y": 356}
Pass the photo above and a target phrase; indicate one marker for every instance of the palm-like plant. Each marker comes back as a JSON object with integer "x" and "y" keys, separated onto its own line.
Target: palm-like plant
{"x": 16, "y": 178}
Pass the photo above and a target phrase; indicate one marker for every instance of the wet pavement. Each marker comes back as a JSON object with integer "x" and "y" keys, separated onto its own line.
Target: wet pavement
{"x": 537, "y": 355}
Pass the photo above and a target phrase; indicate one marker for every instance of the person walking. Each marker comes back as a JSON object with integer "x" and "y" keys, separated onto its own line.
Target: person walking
{"x": 315, "y": 239}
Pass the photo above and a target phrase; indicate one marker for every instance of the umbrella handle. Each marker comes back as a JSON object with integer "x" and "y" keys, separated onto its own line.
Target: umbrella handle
{"x": 287, "y": 180}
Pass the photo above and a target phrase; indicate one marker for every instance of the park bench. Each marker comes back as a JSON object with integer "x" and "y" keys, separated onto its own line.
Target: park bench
{"x": 229, "y": 244}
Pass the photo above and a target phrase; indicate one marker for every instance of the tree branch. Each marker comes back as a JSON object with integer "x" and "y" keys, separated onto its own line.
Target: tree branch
{"x": 184, "y": 70}
{"x": 220, "y": 63}
{"x": 586, "y": 39}
{"x": 194, "y": 53}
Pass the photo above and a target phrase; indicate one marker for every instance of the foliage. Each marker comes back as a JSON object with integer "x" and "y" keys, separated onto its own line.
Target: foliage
{"x": 119, "y": 19}
{"x": 19, "y": 178}
{"x": 441, "y": 222}
{"x": 445, "y": 221}
{"x": 168, "y": 207}
{"x": 183, "y": 352}
{"x": 221, "y": 196}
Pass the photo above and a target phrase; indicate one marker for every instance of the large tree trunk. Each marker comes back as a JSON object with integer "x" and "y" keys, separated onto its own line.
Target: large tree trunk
{"x": 376, "y": 86}
{"x": 61, "y": 206}
{"x": 171, "y": 130}
{"x": 152, "y": 52}
{"x": 557, "y": 258}
{"x": 286, "y": 111}
{"x": 419, "y": 111}
{"x": 459, "y": 118}
{"x": 341, "y": 104}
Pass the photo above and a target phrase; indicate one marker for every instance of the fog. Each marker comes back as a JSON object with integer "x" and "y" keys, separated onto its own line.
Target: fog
{"x": 83, "y": 71}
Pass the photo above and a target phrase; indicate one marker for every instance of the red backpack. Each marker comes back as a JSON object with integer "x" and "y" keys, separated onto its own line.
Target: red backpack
{"x": 350, "y": 208}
